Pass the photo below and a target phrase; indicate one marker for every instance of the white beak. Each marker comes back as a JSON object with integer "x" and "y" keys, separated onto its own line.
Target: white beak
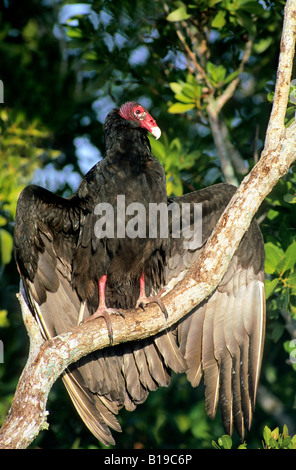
{"x": 156, "y": 132}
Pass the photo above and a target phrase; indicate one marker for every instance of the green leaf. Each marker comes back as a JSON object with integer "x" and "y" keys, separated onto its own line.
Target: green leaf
{"x": 225, "y": 441}
{"x": 291, "y": 281}
{"x": 219, "y": 20}
{"x": 275, "y": 433}
{"x": 178, "y": 15}
{"x": 212, "y": 3}
{"x": 3, "y": 221}
{"x": 6, "y": 246}
{"x": 158, "y": 148}
{"x": 74, "y": 33}
{"x": 216, "y": 72}
{"x": 277, "y": 332}
{"x": 243, "y": 446}
{"x": 293, "y": 441}
{"x": 177, "y": 108}
{"x": 273, "y": 443}
{"x": 272, "y": 214}
{"x": 4, "y": 322}
{"x": 183, "y": 422}
{"x": 215, "y": 445}
{"x": 251, "y": 6}
{"x": 273, "y": 255}
{"x": 286, "y": 442}
{"x": 290, "y": 198}
{"x": 230, "y": 77}
{"x": 290, "y": 348}
{"x": 285, "y": 430}
{"x": 290, "y": 257}
{"x": 188, "y": 90}
{"x": 266, "y": 435}
{"x": 270, "y": 286}
{"x": 176, "y": 87}
{"x": 183, "y": 98}
{"x": 262, "y": 45}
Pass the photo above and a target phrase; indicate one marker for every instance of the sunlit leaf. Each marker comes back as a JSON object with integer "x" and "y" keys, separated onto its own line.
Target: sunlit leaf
{"x": 225, "y": 441}
{"x": 270, "y": 286}
{"x": 176, "y": 87}
{"x": 273, "y": 255}
{"x": 6, "y": 246}
{"x": 289, "y": 258}
{"x": 183, "y": 98}
{"x": 266, "y": 434}
{"x": 178, "y": 15}
{"x": 4, "y": 322}
{"x": 219, "y": 20}
{"x": 180, "y": 108}
{"x": 290, "y": 198}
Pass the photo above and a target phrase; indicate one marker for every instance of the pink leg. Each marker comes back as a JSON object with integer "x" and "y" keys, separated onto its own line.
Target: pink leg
{"x": 144, "y": 300}
{"x": 142, "y": 286}
{"x": 102, "y": 286}
{"x": 102, "y": 310}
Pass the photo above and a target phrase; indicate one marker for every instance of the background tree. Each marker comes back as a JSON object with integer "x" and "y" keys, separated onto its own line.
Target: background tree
{"x": 205, "y": 69}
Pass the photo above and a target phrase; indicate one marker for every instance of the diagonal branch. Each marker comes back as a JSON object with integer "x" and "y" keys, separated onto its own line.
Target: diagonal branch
{"x": 219, "y": 129}
{"x": 47, "y": 362}
{"x": 198, "y": 68}
{"x": 230, "y": 89}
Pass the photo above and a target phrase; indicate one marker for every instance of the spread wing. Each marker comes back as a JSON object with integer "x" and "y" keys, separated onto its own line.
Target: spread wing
{"x": 48, "y": 230}
{"x": 222, "y": 339}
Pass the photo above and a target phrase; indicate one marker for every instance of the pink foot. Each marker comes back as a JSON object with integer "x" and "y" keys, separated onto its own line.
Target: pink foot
{"x": 143, "y": 300}
{"x": 103, "y": 311}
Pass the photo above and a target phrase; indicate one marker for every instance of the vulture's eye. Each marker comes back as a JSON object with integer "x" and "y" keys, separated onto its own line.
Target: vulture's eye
{"x": 139, "y": 113}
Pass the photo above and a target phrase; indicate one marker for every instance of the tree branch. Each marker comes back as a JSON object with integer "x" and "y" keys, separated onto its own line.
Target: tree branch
{"x": 48, "y": 360}
{"x": 230, "y": 89}
{"x": 199, "y": 71}
{"x": 224, "y": 148}
{"x": 220, "y": 144}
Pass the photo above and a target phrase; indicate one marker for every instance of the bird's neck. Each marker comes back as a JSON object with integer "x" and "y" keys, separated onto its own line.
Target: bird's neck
{"x": 125, "y": 140}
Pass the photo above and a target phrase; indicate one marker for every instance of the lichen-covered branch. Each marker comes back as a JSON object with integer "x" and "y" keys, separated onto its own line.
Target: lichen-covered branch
{"x": 48, "y": 360}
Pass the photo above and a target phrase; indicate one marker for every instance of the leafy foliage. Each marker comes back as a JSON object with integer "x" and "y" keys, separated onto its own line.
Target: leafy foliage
{"x": 271, "y": 440}
{"x": 64, "y": 65}
{"x": 19, "y": 148}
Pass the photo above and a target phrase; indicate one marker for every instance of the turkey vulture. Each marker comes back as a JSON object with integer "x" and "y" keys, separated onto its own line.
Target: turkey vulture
{"x": 71, "y": 272}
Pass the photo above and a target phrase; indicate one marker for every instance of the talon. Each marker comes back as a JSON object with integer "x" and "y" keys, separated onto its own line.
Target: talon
{"x": 141, "y": 304}
{"x": 103, "y": 311}
{"x": 143, "y": 300}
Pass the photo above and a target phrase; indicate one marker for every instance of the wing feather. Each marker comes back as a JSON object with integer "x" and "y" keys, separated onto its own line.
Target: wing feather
{"x": 222, "y": 338}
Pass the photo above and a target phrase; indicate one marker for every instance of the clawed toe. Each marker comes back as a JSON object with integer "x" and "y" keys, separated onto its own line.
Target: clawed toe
{"x": 105, "y": 313}
{"x": 143, "y": 301}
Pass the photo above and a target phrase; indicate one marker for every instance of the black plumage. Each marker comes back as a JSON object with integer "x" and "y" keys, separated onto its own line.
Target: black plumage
{"x": 70, "y": 274}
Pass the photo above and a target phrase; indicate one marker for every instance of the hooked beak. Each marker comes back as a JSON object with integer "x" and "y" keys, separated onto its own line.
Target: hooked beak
{"x": 156, "y": 132}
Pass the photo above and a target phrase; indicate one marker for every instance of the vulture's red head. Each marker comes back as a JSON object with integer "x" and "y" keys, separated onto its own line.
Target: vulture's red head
{"x": 135, "y": 112}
